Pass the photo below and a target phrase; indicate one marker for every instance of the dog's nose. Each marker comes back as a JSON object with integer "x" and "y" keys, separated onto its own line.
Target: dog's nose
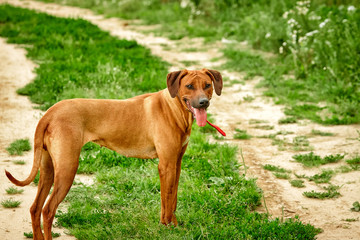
{"x": 203, "y": 102}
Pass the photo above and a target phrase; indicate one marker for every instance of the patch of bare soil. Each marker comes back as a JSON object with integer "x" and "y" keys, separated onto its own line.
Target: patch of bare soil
{"x": 231, "y": 112}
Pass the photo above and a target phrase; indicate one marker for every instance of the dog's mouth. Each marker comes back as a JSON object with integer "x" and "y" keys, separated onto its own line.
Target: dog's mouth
{"x": 199, "y": 114}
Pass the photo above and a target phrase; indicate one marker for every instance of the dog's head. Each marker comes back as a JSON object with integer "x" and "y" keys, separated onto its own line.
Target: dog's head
{"x": 194, "y": 89}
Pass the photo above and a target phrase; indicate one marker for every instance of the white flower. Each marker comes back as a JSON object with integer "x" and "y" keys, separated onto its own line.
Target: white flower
{"x": 184, "y": 3}
{"x": 351, "y": 9}
{"x": 302, "y": 39}
{"x": 309, "y": 34}
{"x": 321, "y": 25}
{"x": 281, "y": 50}
{"x": 268, "y": 35}
{"x": 285, "y": 15}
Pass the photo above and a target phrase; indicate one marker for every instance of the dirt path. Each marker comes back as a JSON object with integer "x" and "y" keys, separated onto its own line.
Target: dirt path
{"x": 230, "y": 110}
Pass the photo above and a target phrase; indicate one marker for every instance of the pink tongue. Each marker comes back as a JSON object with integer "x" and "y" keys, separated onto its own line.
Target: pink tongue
{"x": 201, "y": 116}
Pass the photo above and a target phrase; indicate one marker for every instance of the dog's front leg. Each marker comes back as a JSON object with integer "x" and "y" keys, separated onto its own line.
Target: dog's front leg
{"x": 169, "y": 172}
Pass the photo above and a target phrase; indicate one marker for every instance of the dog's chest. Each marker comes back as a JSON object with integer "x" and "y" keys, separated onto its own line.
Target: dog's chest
{"x": 144, "y": 153}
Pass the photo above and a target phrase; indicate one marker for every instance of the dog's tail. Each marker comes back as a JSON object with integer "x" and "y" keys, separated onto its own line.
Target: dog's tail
{"x": 38, "y": 147}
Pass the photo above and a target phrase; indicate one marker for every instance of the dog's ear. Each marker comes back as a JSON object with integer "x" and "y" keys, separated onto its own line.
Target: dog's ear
{"x": 173, "y": 81}
{"x": 217, "y": 80}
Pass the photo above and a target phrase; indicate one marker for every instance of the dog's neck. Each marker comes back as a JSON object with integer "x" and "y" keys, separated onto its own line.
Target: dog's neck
{"x": 185, "y": 119}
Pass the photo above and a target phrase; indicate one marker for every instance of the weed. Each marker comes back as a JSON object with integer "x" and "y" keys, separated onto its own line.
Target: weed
{"x": 241, "y": 134}
{"x": 323, "y": 177}
{"x": 282, "y": 144}
{"x": 288, "y": 120}
{"x": 248, "y": 98}
{"x": 274, "y": 168}
{"x": 356, "y": 207}
{"x": 257, "y": 121}
{"x": 13, "y": 190}
{"x": 344, "y": 169}
{"x": 297, "y": 183}
{"x": 278, "y": 172}
{"x": 351, "y": 219}
{"x": 19, "y": 162}
{"x": 301, "y": 143}
{"x": 320, "y": 133}
{"x": 19, "y": 146}
{"x": 281, "y": 175}
{"x": 331, "y": 192}
{"x": 264, "y": 127}
{"x": 37, "y": 178}
{"x": 31, "y": 235}
{"x": 312, "y": 160}
{"x": 354, "y": 163}
{"x": 10, "y": 203}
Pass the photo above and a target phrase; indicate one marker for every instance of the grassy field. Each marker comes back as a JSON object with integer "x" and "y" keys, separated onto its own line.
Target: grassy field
{"x": 76, "y": 59}
{"x": 315, "y": 44}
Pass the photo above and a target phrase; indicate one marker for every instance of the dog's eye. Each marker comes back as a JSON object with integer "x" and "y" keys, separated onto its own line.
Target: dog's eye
{"x": 207, "y": 86}
{"x": 189, "y": 86}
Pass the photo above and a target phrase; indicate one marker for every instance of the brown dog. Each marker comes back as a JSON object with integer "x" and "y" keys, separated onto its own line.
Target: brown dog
{"x": 155, "y": 125}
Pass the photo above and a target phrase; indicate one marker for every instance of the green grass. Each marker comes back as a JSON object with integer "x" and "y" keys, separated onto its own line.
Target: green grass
{"x": 312, "y": 160}
{"x": 354, "y": 163}
{"x": 77, "y": 59}
{"x": 321, "y": 133}
{"x": 323, "y": 177}
{"x": 297, "y": 183}
{"x": 10, "y": 203}
{"x": 281, "y": 175}
{"x": 13, "y": 190}
{"x": 316, "y": 50}
{"x": 31, "y": 235}
{"x": 242, "y": 134}
{"x": 331, "y": 192}
{"x": 264, "y": 127}
{"x": 288, "y": 120}
{"x": 356, "y": 207}
{"x": 278, "y": 172}
{"x": 18, "y": 147}
{"x": 214, "y": 200}
{"x": 274, "y": 168}
{"x": 301, "y": 143}
{"x": 19, "y": 162}
{"x": 124, "y": 201}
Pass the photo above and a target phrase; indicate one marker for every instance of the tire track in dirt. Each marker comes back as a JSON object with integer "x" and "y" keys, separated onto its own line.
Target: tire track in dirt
{"x": 231, "y": 112}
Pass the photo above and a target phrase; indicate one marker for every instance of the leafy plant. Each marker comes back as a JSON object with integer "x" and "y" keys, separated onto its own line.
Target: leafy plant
{"x": 356, "y": 207}
{"x": 312, "y": 160}
{"x": 13, "y": 190}
{"x": 301, "y": 143}
{"x": 331, "y": 192}
{"x": 19, "y": 146}
{"x": 297, "y": 183}
{"x": 10, "y": 203}
{"x": 321, "y": 133}
{"x": 20, "y": 162}
{"x": 274, "y": 168}
{"x": 241, "y": 134}
{"x": 31, "y": 235}
{"x": 354, "y": 163}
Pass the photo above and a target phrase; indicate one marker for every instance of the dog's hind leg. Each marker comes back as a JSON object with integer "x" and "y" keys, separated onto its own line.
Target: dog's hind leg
{"x": 44, "y": 186}
{"x": 66, "y": 161}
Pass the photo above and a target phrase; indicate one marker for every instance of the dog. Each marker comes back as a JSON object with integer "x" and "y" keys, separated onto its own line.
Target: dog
{"x": 153, "y": 125}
